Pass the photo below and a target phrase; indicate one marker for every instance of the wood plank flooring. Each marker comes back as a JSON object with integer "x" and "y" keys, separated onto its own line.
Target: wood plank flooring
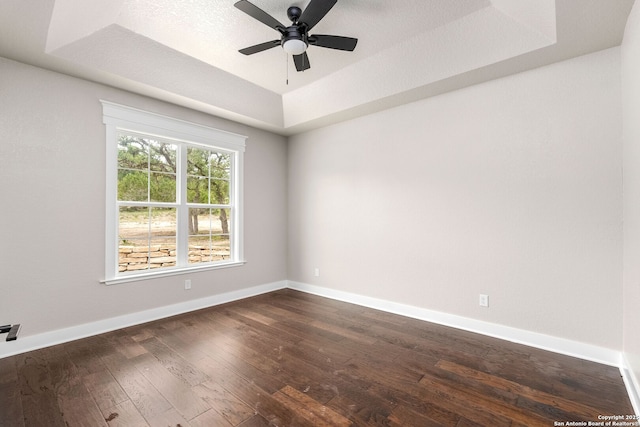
{"x": 291, "y": 359}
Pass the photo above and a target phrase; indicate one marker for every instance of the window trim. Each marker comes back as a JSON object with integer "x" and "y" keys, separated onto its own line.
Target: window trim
{"x": 119, "y": 118}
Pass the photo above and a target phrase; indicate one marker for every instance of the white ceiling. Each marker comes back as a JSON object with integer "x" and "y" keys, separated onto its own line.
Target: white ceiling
{"x": 186, "y": 51}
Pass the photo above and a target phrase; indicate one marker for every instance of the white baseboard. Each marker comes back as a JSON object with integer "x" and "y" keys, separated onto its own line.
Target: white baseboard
{"x": 533, "y": 339}
{"x": 631, "y": 382}
{"x": 546, "y": 342}
{"x": 46, "y": 339}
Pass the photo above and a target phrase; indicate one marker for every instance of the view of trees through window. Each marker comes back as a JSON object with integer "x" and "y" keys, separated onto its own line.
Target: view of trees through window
{"x": 149, "y": 201}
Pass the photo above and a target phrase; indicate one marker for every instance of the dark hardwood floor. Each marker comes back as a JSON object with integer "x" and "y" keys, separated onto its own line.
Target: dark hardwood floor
{"x": 292, "y": 359}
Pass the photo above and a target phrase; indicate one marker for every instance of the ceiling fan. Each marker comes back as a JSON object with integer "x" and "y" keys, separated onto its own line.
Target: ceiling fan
{"x": 295, "y": 38}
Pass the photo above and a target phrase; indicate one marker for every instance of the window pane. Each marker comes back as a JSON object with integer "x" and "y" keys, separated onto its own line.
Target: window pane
{"x": 197, "y": 190}
{"x": 133, "y": 163}
{"x": 138, "y": 156}
{"x": 209, "y": 235}
{"x": 162, "y": 157}
{"x": 199, "y": 248}
{"x": 163, "y": 237}
{"x": 133, "y": 255}
{"x": 163, "y": 252}
{"x": 132, "y": 153}
{"x": 162, "y": 187}
{"x": 221, "y": 247}
{"x": 220, "y": 221}
{"x": 220, "y": 165}
{"x": 208, "y": 248}
{"x": 199, "y": 221}
{"x": 163, "y": 224}
{"x": 147, "y": 238}
{"x": 219, "y": 192}
{"x": 133, "y": 224}
{"x": 132, "y": 185}
{"x": 198, "y": 162}
{"x": 133, "y": 251}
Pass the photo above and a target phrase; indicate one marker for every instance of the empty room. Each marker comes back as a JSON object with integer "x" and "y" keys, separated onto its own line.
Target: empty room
{"x": 319, "y": 213}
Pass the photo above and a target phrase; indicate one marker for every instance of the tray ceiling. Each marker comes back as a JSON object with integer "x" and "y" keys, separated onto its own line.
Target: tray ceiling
{"x": 186, "y": 51}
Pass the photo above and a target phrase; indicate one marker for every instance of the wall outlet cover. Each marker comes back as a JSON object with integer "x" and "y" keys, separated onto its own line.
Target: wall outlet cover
{"x": 484, "y": 300}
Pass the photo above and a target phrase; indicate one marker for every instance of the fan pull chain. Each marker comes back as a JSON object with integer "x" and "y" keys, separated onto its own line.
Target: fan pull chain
{"x": 286, "y": 63}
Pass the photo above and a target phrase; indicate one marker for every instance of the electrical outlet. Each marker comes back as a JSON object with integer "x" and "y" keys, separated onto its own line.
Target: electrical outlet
{"x": 187, "y": 284}
{"x": 484, "y": 300}
{"x": 316, "y": 272}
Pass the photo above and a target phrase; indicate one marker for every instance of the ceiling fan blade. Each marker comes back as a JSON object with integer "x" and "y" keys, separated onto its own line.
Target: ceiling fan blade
{"x": 301, "y": 61}
{"x": 333, "y": 42}
{"x": 259, "y": 14}
{"x": 259, "y": 47}
{"x": 315, "y": 11}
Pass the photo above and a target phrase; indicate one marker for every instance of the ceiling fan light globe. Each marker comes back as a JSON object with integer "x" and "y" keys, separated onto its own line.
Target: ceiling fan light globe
{"x": 294, "y": 46}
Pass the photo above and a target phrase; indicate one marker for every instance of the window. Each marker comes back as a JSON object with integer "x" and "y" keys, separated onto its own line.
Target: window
{"x": 173, "y": 196}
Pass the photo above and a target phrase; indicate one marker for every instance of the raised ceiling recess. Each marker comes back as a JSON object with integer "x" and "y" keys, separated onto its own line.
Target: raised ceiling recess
{"x": 186, "y": 51}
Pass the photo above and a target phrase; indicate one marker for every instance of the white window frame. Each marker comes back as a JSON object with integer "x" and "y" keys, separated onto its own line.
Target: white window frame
{"x": 120, "y": 119}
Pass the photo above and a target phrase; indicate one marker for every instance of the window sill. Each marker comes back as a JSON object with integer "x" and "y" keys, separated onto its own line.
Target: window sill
{"x": 172, "y": 272}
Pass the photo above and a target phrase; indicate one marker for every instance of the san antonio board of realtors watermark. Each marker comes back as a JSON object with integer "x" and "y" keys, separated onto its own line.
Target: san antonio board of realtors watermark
{"x": 604, "y": 421}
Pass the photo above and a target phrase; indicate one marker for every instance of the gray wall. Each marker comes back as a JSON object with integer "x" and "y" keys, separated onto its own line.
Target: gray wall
{"x": 52, "y": 184}
{"x": 510, "y": 188}
{"x": 631, "y": 168}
